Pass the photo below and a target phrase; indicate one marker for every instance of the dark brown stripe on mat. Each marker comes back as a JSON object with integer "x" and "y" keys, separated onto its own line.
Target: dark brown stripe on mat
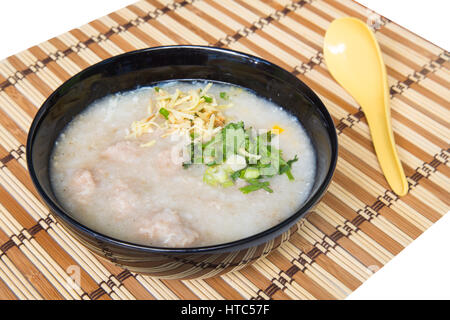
{"x": 398, "y": 88}
{"x": 125, "y": 274}
{"x": 6, "y": 159}
{"x": 387, "y": 199}
{"x": 260, "y": 23}
{"x": 10, "y": 156}
{"x": 273, "y": 288}
{"x": 36, "y": 229}
{"x": 97, "y": 293}
{"x": 11, "y": 243}
{"x": 317, "y": 59}
{"x": 19, "y": 75}
{"x": 110, "y": 283}
{"x": 6, "y": 246}
{"x": 418, "y": 76}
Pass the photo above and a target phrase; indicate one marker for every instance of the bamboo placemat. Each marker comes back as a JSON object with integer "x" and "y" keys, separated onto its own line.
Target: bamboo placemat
{"x": 358, "y": 226}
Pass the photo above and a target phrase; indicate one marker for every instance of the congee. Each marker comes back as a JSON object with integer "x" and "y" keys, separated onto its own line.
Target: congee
{"x": 182, "y": 164}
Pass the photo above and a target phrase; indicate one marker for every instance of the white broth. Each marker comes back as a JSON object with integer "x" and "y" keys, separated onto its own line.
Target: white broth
{"x": 135, "y": 188}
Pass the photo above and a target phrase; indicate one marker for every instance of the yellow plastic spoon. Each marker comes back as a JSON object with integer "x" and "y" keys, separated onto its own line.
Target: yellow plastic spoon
{"x": 354, "y": 59}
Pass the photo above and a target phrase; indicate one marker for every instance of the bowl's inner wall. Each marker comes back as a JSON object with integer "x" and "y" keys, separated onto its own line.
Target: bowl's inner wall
{"x": 148, "y": 67}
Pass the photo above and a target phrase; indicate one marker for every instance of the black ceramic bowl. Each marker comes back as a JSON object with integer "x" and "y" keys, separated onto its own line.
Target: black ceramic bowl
{"x": 149, "y": 66}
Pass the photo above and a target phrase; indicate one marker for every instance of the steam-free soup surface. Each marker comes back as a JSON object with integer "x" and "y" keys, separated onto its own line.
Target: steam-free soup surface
{"x": 136, "y": 188}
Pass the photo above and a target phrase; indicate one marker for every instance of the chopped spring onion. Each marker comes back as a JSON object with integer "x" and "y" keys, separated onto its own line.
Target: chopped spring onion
{"x": 235, "y": 153}
{"x": 218, "y": 175}
{"x": 250, "y": 173}
{"x": 256, "y": 185}
{"x": 164, "y": 112}
{"x": 207, "y": 99}
{"x": 286, "y": 168}
{"x": 224, "y": 95}
{"x": 235, "y": 175}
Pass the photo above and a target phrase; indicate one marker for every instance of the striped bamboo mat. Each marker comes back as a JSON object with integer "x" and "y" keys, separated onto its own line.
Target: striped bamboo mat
{"x": 358, "y": 227}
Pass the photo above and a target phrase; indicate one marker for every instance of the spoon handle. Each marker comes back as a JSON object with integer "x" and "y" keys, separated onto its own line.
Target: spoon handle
{"x": 379, "y": 121}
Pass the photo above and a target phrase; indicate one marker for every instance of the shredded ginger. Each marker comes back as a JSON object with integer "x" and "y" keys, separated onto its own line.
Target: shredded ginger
{"x": 194, "y": 113}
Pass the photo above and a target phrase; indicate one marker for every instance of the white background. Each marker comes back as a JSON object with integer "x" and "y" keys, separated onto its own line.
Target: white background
{"x": 421, "y": 271}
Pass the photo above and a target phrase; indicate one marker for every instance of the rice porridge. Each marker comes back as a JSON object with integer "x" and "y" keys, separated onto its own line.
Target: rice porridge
{"x": 144, "y": 166}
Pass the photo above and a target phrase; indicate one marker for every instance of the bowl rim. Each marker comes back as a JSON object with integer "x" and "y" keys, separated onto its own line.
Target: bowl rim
{"x": 221, "y": 247}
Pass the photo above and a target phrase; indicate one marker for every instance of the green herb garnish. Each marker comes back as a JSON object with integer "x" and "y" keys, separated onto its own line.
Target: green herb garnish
{"x": 236, "y": 174}
{"x": 157, "y": 89}
{"x": 224, "y": 95}
{"x": 186, "y": 164}
{"x": 250, "y": 173}
{"x": 193, "y": 135}
{"x": 164, "y": 112}
{"x": 207, "y": 99}
{"x": 218, "y": 175}
{"x": 286, "y": 168}
{"x": 256, "y": 185}
{"x": 237, "y": 153}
